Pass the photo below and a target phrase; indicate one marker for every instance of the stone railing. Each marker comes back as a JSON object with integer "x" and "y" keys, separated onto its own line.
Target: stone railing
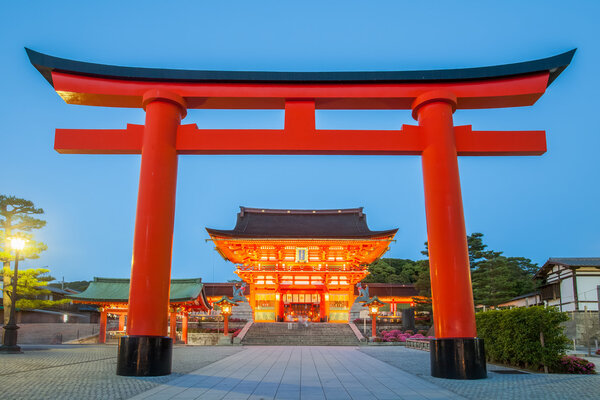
{"x": 419, "y": 344}
{"x": 238, "y": 339}
{"x": 357, "y": 332}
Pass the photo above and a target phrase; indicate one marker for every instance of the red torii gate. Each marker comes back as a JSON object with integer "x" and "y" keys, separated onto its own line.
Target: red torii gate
{"x": 433, "y": 96}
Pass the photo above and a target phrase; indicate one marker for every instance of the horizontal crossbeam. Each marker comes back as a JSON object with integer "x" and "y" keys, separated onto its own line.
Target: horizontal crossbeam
{"x": 406, "y": 141}
{"x": 300, "y": 136}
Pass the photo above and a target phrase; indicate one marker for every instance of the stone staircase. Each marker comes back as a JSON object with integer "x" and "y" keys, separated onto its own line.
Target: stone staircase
{"x": 242, "y": 311}
{"x": 294, "y": 334}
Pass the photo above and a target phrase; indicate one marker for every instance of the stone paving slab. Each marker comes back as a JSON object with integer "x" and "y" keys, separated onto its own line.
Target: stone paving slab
{"x": 299, "y": 373}
{"x": 530, "y": 386}
{"x": 88, "y": 371}
{"x": 212, "y": 372}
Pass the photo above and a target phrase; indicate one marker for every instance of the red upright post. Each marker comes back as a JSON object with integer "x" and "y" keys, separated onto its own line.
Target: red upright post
{"x": 146, "y": 350}
{"x": 226, "y": 325}
{"x": 456, "y": 344}
{"x": 121, "y": 322}
{"x": 173, "y": 326}
{"x": 102, "y": 332}
{"x": 373, "y": 326}
{"x": 184, "y": 327}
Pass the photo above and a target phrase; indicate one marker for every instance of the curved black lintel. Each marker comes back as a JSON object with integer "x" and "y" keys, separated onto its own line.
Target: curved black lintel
{"x": 46, "y": 64}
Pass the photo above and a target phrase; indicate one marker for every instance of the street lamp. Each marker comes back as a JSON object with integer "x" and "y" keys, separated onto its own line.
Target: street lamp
{"x": 226, "y": 305}
{"x": 373, "y": 305}
{"x": 9, "y": 344}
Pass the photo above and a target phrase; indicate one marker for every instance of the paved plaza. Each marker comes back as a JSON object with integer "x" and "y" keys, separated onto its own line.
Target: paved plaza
{"x": 261, "y": 372}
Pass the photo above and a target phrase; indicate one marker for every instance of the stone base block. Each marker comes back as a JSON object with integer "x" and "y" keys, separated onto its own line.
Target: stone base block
{"x": 144, "y": 355}
{"x": 458, "y": 358}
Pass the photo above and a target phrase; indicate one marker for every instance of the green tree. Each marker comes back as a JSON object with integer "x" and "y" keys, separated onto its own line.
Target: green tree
{"x": 17, "y": 216}
{"x": 494, "y": 277}
{"x": 379, "y": 271}
{"x": 499, "y": 279}
{"x": 423, "y": 286}
{"x": 30, "y": 287}
{"x": 394, "y": 270}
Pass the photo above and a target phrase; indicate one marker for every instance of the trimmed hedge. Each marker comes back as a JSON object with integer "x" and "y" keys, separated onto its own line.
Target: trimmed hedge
{"x": 513, "y": 336}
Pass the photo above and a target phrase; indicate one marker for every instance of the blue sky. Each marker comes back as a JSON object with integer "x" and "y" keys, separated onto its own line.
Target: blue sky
{"x": 535, "y": 207}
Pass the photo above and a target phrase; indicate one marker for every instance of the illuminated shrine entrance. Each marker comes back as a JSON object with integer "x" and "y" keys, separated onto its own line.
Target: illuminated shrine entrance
{"x": 301, "y": 264}
{"x": 432, "y": 95}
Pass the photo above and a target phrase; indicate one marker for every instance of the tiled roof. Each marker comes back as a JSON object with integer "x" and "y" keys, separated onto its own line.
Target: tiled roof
{"x": 390, "y": 290}
{"x": 117, "y": 290}
{"x": 576, "y": 261}
{"x": 568, "y": 262}
{"x": 267, "y": 223}
{"x": 222, "y": 289}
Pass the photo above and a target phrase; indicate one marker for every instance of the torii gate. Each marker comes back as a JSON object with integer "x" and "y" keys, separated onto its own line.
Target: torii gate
{"x": 433, "y": 96}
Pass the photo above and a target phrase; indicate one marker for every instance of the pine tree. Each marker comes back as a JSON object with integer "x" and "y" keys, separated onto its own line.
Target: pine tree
{"x": 17, "y": 216}
{"x": 30, "y": 286}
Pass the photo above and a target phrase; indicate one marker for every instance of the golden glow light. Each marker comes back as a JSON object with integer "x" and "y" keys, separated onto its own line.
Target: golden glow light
{"x": 374, "y": 310}
{"x": 17, "y": 243}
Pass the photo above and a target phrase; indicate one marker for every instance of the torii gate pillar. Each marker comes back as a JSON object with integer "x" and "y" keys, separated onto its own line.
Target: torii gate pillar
{"x": 152, "y": 244}
{"x": 456, "y": 352}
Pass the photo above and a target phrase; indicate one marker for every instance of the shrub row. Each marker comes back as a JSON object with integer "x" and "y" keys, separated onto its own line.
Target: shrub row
{"x": 513, "y": 337}
{"x": 399, "y": 336}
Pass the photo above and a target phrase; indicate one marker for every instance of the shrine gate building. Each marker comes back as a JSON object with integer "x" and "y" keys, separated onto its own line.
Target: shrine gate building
{"x": 301, "y": 263}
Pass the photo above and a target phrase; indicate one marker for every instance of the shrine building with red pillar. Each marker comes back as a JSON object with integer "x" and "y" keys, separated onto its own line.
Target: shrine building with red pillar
{"x": 111, "y": 295}
{"x": 301, "y": 263}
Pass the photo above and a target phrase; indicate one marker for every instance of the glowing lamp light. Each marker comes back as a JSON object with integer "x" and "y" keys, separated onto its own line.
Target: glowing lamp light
{"x": 226, "y": 310}
{"x": 374, "y": 310}
{"x": 17, "y": 243}
{"x": 326, "y": 296}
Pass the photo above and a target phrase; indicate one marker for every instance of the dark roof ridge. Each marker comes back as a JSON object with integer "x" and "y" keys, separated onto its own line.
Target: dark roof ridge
{"x": 575, "y": 262}
{"x": 357, "y": 210}
{"x": 562, "y": 259}
{"x": 348, "y": 223}
{"x": 46, "y": 64}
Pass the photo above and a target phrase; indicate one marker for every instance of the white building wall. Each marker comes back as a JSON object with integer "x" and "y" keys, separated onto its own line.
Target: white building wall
{"x": 567, "y": 294}
{"x": 554, "y": 303}
{"x": 587, "y": 291}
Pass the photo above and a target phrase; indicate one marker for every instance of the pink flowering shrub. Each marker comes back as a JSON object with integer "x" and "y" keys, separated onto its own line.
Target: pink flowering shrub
{"x": 397, "y": 335}
{"x": 576, "y": 365}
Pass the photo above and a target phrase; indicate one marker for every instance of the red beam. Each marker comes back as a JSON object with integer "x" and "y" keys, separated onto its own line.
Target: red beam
{"x": 299, "y": 136}
{"x": 485, "y": 93}
{"x": 499, "y": 143}
{"x": 407, "y": 141}
{"x": 100, "y": 141}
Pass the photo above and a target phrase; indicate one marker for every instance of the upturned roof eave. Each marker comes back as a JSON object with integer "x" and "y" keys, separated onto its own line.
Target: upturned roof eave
{"x": 46, "y": 64}
{"x": 373, "y": 235}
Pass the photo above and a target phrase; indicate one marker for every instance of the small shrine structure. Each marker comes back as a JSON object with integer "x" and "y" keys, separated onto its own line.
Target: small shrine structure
{"x": 111, "y": 295}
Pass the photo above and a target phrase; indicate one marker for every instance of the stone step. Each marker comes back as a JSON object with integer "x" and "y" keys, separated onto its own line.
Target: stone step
{"x": 315, "y": 334}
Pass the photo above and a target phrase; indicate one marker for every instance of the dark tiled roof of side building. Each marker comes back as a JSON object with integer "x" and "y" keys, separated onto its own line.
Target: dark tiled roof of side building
{"x": 390, "y": 290}
{"x": 218, "y": 289}
{"x": 568, "y": 262}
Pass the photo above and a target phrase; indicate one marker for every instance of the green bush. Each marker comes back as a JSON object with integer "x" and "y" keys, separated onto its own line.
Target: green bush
{"x": 513, "y": 336}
